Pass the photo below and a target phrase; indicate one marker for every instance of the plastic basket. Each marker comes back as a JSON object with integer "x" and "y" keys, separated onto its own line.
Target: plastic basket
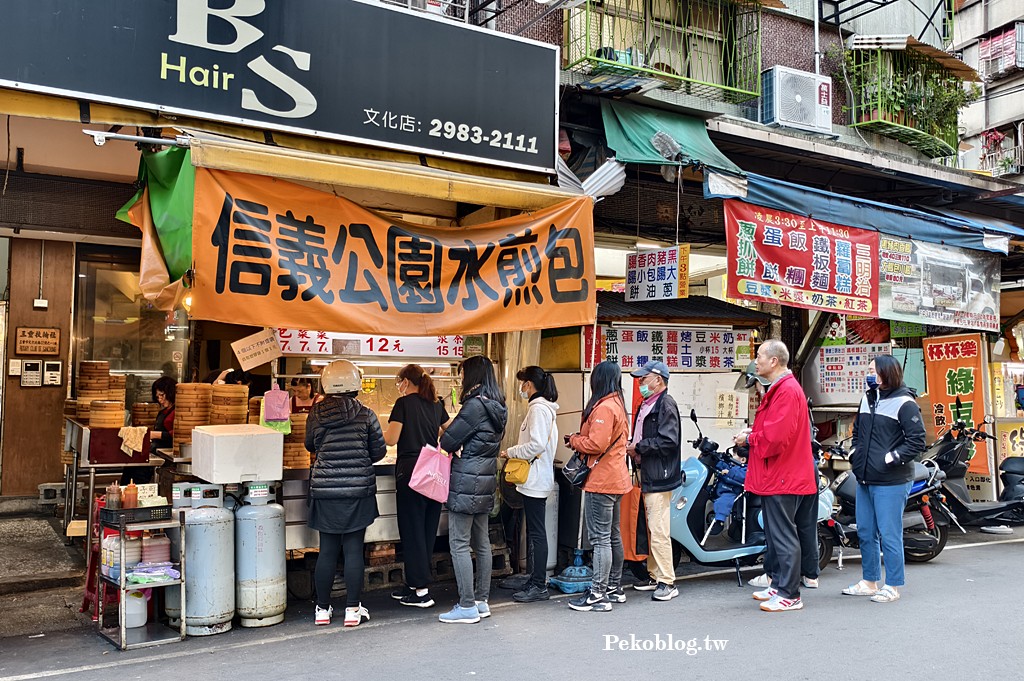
{"x": 134, "y": 515}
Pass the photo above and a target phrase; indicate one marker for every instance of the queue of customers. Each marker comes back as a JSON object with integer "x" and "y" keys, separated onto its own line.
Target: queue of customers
{"x": 348, "y": 439}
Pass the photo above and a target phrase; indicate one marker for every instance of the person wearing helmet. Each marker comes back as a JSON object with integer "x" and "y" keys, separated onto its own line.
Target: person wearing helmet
{"x": 346, "y": 437}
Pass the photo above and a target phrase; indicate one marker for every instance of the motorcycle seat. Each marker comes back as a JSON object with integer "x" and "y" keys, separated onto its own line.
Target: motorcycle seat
{"x": 921, "y": 472}
{"x": 1013, "y": 465}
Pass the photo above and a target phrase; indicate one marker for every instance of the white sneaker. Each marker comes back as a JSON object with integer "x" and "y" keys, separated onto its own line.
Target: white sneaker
{"x": 355, "y": 616}
{"x": 766, "y": 595}
{"x": 324, "y": 616}
{"x": 809, "y": 583}
{"x": 762, "y": 581}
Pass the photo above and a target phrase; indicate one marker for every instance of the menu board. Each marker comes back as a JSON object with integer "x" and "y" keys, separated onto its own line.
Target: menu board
{"x": 681, "y": 349}
{"x": 836, "y": 375}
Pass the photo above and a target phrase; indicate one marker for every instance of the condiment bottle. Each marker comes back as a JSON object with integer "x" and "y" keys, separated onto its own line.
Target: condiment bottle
{"x": 130, "y": 496}
{"x": 113, "y": 496}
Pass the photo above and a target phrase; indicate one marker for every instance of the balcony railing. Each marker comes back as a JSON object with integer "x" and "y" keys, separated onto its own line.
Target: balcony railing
{"x": 1004, "y": 161}
{"x": 707, "y": 48}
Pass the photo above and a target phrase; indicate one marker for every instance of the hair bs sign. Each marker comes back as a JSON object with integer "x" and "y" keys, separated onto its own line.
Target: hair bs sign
{"x": 342, "y": 69}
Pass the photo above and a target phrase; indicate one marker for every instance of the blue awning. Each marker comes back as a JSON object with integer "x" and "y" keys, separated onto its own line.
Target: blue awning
{"x": 953, "y": 230}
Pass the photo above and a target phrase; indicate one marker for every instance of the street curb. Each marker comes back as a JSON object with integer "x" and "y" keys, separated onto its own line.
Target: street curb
{"x": 24, "y": 584}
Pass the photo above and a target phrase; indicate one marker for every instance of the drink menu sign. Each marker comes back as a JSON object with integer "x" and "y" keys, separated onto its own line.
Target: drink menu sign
{"x": 781, "y": 257}
{"x": 683, "y": 349}
{"x": 310, "y": 343}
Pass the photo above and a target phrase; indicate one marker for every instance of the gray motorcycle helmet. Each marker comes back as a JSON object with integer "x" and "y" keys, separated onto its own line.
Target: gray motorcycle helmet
{"x": 749, "y": 377}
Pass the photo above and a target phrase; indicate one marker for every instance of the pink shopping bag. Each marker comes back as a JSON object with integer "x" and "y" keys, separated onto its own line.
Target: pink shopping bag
{"x": 431, "y": 475}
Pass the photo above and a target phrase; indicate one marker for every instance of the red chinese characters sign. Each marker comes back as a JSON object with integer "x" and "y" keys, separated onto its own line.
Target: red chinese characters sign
{"x": 781, "y": 257}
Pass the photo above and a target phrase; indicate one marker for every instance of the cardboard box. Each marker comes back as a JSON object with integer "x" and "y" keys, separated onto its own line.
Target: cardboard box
{"x": 237, "y": 453}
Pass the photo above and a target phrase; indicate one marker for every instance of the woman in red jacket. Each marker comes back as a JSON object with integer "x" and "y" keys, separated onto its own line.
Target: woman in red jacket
{"x": 603, "y": 438}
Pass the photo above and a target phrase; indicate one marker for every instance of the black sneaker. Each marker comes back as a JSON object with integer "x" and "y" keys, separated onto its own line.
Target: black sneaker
{"x": 590, "y": 601}
{"x": 616, "y": 595}
{"x": 399, "y": 594}
{"x": 414, "y": 601}
{"x": 664, "y": 592}
{"x": 649, "y": 585}
{"x": 515, "y": 582}
{"x": 716, "y": 527}
{"x": 531, "y": 594}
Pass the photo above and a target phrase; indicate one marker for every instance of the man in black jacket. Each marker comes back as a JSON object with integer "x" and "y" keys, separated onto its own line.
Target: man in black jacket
{"x": 656, "y": 447}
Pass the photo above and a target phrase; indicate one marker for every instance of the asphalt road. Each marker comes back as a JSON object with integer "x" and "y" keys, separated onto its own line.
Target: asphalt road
{"x": 960, "y": 617}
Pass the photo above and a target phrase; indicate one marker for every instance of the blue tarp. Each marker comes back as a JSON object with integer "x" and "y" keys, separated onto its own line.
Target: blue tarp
{"x": 865, "y": 214}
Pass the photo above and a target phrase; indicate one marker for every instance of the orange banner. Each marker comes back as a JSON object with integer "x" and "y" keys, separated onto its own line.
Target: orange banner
{"x": 954, "y": 368}
{"x": 273, "y": 253}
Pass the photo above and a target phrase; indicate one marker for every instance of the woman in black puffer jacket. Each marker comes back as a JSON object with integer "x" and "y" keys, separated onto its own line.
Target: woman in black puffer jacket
{"x": 474, "y": 437}
{"x": 346, "y": 438}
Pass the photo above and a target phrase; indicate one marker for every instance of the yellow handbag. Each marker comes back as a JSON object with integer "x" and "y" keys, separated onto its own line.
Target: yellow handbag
{"x": 517, "y": 471}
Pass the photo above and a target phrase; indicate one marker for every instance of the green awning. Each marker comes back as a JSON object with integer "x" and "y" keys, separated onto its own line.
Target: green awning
{"x": 630, "y": 129}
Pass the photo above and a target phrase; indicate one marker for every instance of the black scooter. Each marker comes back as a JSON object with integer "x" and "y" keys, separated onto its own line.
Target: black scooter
{"x": 952, "y": 452}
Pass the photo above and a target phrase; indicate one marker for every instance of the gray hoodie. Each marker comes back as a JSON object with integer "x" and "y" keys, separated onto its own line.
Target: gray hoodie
{"x": 538, "y": 439}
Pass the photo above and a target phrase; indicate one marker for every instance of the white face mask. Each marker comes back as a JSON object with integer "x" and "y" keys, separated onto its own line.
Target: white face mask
{"x": 522, "y": 392}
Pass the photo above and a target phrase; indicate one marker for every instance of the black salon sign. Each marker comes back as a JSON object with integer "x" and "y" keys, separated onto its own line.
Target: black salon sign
{"x": 341, "y": 69}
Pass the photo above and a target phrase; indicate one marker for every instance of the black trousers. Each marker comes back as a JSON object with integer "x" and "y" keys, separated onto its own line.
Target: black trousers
{"x": 536, "y": 541}
{"x": 792, "y": 540}
{"x": 331, "y": 548}
{"x": 418, "y": 518}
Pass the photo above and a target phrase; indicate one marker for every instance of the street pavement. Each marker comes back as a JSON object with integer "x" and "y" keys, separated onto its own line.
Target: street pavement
{"x": 960, "y": 617}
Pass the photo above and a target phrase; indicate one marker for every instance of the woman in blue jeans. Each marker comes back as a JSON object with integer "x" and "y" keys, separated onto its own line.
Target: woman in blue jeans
{"x": 888, "y": 435}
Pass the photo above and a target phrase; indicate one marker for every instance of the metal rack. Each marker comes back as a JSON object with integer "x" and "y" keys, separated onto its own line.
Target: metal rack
{"x": 153, "y": 633}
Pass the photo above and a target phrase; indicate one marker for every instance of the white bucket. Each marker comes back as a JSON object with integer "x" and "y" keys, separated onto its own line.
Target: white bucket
{"x": 135, "y": 609}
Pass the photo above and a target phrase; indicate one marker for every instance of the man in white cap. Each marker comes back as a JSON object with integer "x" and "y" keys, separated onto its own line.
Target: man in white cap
{"x": 656, "y": 447}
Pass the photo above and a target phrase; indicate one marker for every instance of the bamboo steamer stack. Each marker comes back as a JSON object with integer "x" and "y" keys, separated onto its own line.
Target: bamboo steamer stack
{"x": 144, "y": 413}
{"x": 295, "y": 454}
{"x": 255, "y": 404}
{"x": 116, "y": 388}
{"x": 93, "y": 384}
{"x": 191, "y": 409}
{"x": 106, "y": 414}
{"x": 229, "y": 404}
{"x": 70, "y": 412}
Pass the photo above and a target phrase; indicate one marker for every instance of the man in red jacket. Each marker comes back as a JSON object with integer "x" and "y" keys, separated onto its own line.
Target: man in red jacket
{"x": 781, "y": 470}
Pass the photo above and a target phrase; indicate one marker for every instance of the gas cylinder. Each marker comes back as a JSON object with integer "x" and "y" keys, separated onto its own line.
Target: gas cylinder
{"x": 209, "y": 564}
{"x": 181, "y": 500}
{"x": 261, "y": 589}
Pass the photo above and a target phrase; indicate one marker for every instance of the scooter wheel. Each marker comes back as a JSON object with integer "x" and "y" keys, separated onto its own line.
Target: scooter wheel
{"x": 941, "y": 533}
{"x": 825, "y": 546}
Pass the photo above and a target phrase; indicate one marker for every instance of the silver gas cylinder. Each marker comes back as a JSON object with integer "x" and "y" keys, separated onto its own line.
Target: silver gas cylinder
{"x": 261, "y": 587}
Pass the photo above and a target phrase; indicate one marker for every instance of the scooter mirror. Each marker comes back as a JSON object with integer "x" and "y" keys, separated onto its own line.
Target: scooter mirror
{"x": 989, "y": 419}
{"x": 693, "y": 415}
{"x": 959, "y": 405}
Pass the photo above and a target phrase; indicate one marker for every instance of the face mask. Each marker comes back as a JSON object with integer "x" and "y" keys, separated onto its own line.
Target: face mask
{"x": 523, "y": 395}
{"x": 872, "y": 381}
{"x": 645, "y": 390}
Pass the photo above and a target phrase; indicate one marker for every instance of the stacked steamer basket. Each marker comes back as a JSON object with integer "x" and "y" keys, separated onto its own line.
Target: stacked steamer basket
{"x": 106, "y": 414}
{"x": 229, "y": 404}
{"x": 144, "y": 413}
{"x": 295, "y": 454}
{"x": 116, "y": 388}
{"x": 255, "y": 404}
{"x": 191, "y": 409}
{"x": 93, "y": 384}
{"x": 70, "y": 412}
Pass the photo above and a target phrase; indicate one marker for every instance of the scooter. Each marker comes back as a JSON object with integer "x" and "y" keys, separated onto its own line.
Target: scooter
{"x": 952, "y": 452}
{"x": 744, "y": 542}
{"x": 926, "y": 517}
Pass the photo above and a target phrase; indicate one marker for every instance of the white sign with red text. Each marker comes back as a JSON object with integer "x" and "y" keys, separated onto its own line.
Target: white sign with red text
{"x": 307, "y": 342}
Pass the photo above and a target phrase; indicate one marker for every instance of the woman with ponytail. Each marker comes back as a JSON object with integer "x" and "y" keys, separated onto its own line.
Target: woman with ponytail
{"x": 538, "y": 438}
{"x": 415, "y": 422}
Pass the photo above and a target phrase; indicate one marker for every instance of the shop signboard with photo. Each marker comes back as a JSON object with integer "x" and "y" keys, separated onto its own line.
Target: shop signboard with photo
{"x": 836, "y": 375}
{"x": 955, "y": 367}
{"x": 269, "y": 249}
{"x": 938, "y": 285}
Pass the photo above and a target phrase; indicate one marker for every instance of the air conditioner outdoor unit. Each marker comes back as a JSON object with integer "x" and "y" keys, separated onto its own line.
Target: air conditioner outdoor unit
{"x": 796, "y": 99}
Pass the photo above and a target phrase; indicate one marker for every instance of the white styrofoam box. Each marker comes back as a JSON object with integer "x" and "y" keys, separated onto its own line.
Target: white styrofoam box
{"x": 237, "y": 453}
